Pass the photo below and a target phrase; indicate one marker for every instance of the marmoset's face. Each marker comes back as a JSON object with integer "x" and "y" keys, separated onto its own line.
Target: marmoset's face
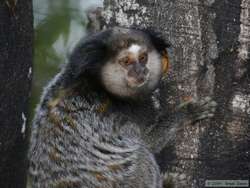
{"x": 133, "y": 71}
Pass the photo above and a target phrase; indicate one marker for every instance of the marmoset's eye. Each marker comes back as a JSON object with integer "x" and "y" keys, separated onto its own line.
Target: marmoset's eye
{"x": 125, "y": 61}
{"x": 143, "y": 58}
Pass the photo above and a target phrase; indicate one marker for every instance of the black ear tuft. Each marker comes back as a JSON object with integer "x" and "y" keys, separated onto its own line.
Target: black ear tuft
{"x": 157, "y": 39}
{"x": 89, "y": 55}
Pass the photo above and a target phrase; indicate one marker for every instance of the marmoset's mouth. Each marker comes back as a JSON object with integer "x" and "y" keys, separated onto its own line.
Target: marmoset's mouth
{"x": 137, "y": 82}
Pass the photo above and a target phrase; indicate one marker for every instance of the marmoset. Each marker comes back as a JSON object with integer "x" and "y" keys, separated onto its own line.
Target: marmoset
{"x": 96, "y": 121}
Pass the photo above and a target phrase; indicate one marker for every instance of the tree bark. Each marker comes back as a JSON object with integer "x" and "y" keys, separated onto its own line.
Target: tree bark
{"x": 209, "y": 57}
{"x": 16, "y": 36}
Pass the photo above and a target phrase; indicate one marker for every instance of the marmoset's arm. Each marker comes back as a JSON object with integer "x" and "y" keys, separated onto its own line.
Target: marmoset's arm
{"x": 164, "y": 132}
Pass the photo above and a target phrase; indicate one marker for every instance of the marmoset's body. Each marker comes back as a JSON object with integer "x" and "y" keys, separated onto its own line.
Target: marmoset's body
{"x": 94, "y": 125}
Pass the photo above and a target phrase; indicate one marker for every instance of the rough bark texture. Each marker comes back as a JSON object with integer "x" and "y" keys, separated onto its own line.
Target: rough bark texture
{"x": 210, "y": 57}
{"x": 16, "y": 26}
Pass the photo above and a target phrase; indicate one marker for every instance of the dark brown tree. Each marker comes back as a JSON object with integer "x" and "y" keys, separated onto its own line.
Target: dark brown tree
{"x": 16, "y": 35}
{"x": 210, "y": 57}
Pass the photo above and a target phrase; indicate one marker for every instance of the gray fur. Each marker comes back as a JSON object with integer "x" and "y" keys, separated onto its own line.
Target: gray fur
{"x": 75, "y": 145}
{"x": 84, "y": 137}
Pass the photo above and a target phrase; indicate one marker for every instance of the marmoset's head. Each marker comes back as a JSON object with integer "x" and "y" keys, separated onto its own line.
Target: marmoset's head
{"x": 127, "y": 62}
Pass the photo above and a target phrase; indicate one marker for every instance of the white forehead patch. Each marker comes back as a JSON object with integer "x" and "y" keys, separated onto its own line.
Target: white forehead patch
{"x": 134, "y": 48}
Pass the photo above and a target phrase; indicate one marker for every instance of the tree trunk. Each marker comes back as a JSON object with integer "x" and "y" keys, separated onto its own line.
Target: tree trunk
{"x": 210, "y": 57}
{"x": 16, "y": 35}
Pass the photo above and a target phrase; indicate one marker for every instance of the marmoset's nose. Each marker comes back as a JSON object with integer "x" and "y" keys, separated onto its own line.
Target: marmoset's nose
{"x": 140, "y": 69}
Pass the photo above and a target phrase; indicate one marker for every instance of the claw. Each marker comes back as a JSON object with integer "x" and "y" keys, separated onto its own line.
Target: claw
{"x": 203, "y": 116}
{"x": 185, "y": 104}
{"x": 213, "y": 104}
{"x": 205, "y": 101}
{"x": 200, "y": 110}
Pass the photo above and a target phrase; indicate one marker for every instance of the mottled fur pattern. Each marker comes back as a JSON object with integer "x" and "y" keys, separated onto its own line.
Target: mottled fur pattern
{"x": 83, "y": 136}
{"x": 79, "y": 144}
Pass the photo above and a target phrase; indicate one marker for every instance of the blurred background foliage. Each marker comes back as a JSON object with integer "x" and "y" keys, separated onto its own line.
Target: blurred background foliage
{"x": 59, "y": 25}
